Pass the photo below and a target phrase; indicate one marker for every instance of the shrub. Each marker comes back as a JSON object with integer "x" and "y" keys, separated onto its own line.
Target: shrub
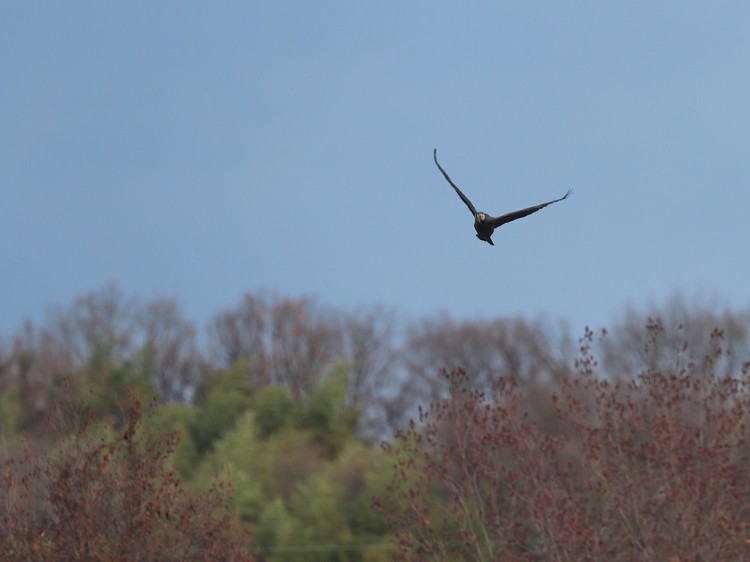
{"x": 654, "y": 468}
{"x": 110, "y": 498}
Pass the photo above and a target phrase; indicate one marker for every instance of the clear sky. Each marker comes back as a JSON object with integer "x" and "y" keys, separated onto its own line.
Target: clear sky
{"x": 199, "y": 150}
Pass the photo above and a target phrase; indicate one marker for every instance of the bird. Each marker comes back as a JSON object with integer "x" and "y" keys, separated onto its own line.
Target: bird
{"x": 485, "y": 224}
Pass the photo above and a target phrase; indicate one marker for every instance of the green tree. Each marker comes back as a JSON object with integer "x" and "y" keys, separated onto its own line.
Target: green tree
{"x": 242, "y": 454}
{"x": 261, "y": 470}
{"x": 274, "y": 528}
{"x": 273, "y": 408}
{"x": 11, "y": 414}
{"x": 321, "y": 532}
{"x": 221, "y": 401}
{"x": 326, "y": 413}
{"x": 178, "y": 418}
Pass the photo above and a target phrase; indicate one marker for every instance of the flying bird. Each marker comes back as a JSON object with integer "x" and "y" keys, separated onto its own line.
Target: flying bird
{"x": 485, "y": 224}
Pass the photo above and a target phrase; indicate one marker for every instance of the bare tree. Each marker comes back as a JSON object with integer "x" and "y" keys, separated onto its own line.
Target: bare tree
{"x": 532, "y": 352}
{"x": 287, "y": 341}
{"x": 239, "y": 333}
{"x": 108, "y": 325}
{"x": 38, "y": 357}
{"x": 293, "y": 342}
{"x": 97, "y": 321}
{"x": 6, "y": 362}
{"x": 304, "y": 342}
{"x": 171, "y": 349}
{"x": 680, "y": 336}
{"x": 369, "y": 348}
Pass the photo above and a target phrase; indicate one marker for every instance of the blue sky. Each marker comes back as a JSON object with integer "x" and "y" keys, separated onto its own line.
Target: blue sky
{"x": 200, "y": 150}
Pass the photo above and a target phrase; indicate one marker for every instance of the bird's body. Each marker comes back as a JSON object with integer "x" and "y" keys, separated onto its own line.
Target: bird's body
{"x": 484, "y": 228}
{"x": 485, "y": 224}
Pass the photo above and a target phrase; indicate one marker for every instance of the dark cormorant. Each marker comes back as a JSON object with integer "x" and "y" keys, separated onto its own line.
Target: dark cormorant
{"x": 485, "y": 224}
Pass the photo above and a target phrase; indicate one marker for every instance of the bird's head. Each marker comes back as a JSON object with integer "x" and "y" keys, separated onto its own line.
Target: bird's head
{"x": 481, "y": 217}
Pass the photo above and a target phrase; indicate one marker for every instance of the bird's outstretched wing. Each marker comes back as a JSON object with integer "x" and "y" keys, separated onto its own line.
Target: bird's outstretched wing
{"x": 525, "y": 212}
{"x": 460, "y": 193}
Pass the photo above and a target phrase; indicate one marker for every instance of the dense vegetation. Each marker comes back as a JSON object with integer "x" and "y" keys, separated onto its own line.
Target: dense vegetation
{"x": 296, "y": 432}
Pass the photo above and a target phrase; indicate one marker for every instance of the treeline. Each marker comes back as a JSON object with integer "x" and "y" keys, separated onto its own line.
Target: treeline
{"x": 290, "y": 342}
{"x": 125, "y": 432}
